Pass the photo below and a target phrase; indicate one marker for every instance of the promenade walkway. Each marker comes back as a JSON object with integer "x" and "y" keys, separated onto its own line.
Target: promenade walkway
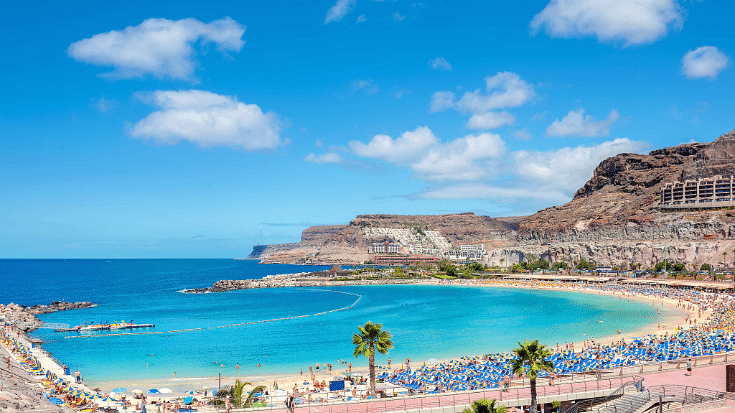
{"x": 710, "y": 377}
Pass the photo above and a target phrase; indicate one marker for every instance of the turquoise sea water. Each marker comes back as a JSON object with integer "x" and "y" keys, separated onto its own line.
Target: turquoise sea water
{"x": 426, "y": 321}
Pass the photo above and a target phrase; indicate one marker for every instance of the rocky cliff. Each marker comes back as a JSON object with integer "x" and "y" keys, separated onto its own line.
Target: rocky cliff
{"x": 612, "y": 219}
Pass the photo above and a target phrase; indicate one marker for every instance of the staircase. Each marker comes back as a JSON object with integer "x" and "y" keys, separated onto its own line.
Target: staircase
{"x": 639, "y": 402}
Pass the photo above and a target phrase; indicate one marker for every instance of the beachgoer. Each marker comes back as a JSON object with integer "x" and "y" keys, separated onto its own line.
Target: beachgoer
{"x": 258, "y": 365}
{"x": 317, "y": 367}
{"x": 228, "y": 408}
{"x": 349, "y": 368}
{"x": 77, "y": 376}
{"x": 302, "y": 372}
{"x": 689, "y": 368}
{"x": 237, "y": 366}
{"x": 174, "y": 374}
{"x": 388, "y": 362}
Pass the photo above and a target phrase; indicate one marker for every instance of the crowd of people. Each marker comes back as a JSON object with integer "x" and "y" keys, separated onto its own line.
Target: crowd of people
{"x": 711, "y": 336}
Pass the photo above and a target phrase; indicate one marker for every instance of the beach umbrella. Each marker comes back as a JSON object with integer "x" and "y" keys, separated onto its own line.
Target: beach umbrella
{"x": 56, "y": 400}
{"x": 120, "y": 390}
{"x": 432, "y": 360}
{"x": 192, "y": 392}
{"x": 137, "y": 391}
{"x": 154, "y": 391}
{"x": 188, "y": 400}
{"x": 165, "y": 390}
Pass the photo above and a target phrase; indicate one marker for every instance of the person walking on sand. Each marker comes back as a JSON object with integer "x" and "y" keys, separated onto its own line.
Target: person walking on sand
{"x": 388, "y": 362}
{"x": 228, "y": 408}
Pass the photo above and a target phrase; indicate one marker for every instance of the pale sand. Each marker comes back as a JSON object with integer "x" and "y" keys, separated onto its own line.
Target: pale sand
{"x": 180, "y": 385}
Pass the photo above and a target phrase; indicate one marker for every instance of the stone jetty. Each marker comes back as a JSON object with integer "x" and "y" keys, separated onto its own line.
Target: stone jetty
{"x": 303, "y": 279}
{"x": 24, "y": 318}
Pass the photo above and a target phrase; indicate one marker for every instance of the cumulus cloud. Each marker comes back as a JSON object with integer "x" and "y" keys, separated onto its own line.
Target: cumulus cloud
{"x": 430, "y": 159}
{"x": 207, "y": 119}
{"x": 329, "y": 157}
{"x": 504, "y": 90}
{"x": 522, "y": 134}
{"x": 480, "y": 166}
{"x": 490, "y": 120}
{"x": 405, "y": 149}
{"x": 631, "y": 22}
{"x": 158, "y": 47}
{"x": 467, "y": 158}
{"x": 339, "y": 10}
{"x": 366, "y": 85}
{"x": 398, "y": 17}
{"x": 575, "y": 123}
{"x": 705, "y": 61}
{"x": 567, "y": 169}
{"x": 440, "y": 63}
{"x": 361, "y": 18}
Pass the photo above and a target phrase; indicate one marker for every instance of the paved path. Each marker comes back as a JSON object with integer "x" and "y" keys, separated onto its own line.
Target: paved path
{"x": 711, "y": 377}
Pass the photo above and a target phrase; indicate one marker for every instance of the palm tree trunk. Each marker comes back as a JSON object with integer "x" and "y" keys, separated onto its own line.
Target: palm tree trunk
{"x": 532, "y": 408}
{"x": 372, "y": 371}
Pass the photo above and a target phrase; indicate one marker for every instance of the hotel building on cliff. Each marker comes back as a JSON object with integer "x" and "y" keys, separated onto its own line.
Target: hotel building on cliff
{"x": 714, "y": 192}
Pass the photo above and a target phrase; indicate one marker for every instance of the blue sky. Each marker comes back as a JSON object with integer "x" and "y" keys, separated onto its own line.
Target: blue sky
{"x": 198, "y": 129}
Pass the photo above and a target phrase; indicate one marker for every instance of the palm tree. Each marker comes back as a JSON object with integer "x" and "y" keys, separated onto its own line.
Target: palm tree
{"x": 371, "y": 338}
{"x": 237, "y": 392}
{"x": 532, "y": 355}
{"x": 485, "y": 406}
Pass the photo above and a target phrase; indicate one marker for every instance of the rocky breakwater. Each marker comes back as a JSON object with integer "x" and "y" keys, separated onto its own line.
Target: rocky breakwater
{"x": 24, "y": 318}
{"x": 269, "y": 281}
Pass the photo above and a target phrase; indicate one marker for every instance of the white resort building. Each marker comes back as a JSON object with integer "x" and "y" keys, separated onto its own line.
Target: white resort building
{"x": 713, "y": 192}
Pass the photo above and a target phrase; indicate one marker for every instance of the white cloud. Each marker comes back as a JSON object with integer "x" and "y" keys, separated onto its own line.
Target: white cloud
{"x": 479, "y": 166}
{"x": 504, "y": 90}
{"x": 207, "y": 119}
{"x": 399, "y": 94}
{"x": 567, "y": 169}
{"x": 361, "y": 18}
{"x": 466, "y": 158}
{"x": 628, "y": 21}
{"x": 329, "y": 157}
{"x": 440, "y": 63}
{"x": 339, "y": 10}
{"x": 490, "y": 120}
{"x": 705, "y": 61}
{"x": 575, "y": 123}
{"x": 407, "y": 148}
{"x": 398, "y": 17}
{"x": 103, "y": 105}
{"x": 158, "y": 47}
{"x": 522, "y": 134}
{"x": 367, "y": 85}
{"x": 442, "y": 101}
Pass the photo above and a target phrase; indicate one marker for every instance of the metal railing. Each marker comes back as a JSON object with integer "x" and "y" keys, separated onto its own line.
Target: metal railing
{"x": 617, "y": 393}
{"x": 427, "y": 401}
{"x": 668, "y": 393}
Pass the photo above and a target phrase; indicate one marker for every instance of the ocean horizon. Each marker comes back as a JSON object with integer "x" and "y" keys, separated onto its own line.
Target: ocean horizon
{"x": 427, "y": 321}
